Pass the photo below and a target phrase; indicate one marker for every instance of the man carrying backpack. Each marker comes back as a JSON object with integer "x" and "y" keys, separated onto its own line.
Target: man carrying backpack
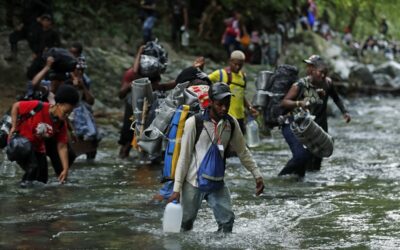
{"x": 201, "y": 164}
{"x": 236, "y": 79}
{"x": 309, "y": 93}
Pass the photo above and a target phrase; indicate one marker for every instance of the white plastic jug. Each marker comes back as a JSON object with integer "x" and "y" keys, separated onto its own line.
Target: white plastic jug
{"x": 252, "y": 134}
{"x": 172, "y": 217}
{"x": 185, "y": 38}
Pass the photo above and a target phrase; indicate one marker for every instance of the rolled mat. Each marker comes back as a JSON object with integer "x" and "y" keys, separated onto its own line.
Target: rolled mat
{"x": 312, "y": 136}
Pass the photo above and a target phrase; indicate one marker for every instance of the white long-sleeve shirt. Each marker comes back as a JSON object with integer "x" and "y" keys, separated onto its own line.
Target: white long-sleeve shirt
{"x": 191, "y": 155}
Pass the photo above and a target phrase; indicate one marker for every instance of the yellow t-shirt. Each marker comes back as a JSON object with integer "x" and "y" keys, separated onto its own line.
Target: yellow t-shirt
{"x": 237, "y": 87}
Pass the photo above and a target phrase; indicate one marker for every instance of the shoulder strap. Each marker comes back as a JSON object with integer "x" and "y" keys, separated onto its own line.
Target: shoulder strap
{"x": 199, "y": 126}
{"x": 24, "y": 117}
{"x": 31, "y": 113}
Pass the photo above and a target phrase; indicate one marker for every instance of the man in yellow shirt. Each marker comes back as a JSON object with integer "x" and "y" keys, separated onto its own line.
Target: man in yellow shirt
{"x": 236, "y": 79}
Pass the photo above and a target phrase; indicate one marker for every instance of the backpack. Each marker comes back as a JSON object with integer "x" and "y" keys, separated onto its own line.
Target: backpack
{"x": 280, "y": 82}
{"x": 211, "y": 172}
{"x": 5, "y": 124}
{"x": 229, "y": 74}
{"x": 64, "y": 61}
{"x": 174, "y": 136}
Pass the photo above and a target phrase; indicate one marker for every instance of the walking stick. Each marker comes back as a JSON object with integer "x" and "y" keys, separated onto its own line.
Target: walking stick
{"x": 144, "y": 115}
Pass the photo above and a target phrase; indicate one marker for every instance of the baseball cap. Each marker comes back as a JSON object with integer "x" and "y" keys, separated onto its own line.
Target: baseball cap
{"x": 219, "y": 91}
{"x": 313, "y": 60}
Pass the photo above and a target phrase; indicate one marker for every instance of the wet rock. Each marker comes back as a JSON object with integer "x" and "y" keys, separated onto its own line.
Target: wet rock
{"x": 360, "y": 75}
{"x": 382, "y": 80}
{"x": 390, "y": 68}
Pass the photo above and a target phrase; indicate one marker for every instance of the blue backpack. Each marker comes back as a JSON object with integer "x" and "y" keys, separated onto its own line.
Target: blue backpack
{"x": 210, "y": 176}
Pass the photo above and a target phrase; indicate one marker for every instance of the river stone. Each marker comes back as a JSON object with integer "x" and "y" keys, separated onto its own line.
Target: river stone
{"x": 360, "y": 75}
{"x": 396, "y": 82}
{"x": 390, "y": 68}
{"x": 382, "y": 80}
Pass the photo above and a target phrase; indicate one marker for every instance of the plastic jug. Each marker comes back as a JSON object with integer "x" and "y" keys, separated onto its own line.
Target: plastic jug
{"x": 172, "y": 217}
{"x": 252, "y": 133}
{"x": 185, "y": 38}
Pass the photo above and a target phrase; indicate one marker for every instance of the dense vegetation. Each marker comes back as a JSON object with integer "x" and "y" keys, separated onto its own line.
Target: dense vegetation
{"x": 89, "y": 20}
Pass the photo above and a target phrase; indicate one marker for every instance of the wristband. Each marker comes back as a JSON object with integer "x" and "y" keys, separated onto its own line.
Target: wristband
{"x": 297, "y": 103}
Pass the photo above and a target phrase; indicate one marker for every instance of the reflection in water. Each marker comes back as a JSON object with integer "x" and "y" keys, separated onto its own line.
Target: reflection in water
{"x": 352, "y": 202}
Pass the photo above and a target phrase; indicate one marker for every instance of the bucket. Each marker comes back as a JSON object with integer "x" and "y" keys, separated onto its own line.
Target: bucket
{"x": 260, "y": 99}
{"x": 141, "y": 88}
{"x": 172, "y": 217}
{"x": 312, "y": 136}
{"x": 263, "y": 80}
{"x": 151, "y": 140}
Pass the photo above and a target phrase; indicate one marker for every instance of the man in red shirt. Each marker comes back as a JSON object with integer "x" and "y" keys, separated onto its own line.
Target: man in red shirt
{"x": 133, "y": 73}
{"x": 49, "y": 121}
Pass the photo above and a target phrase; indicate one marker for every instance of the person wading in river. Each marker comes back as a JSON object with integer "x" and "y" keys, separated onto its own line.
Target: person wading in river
{"x": 309, "y": 93}
{"x": 45, "y": 122}
{"x": 218, "y": 131}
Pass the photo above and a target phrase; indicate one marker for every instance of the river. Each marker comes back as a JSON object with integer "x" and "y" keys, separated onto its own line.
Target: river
{"x": 353, "y": 202}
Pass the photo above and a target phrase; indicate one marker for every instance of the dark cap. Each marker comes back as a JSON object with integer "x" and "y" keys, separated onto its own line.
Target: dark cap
{"x": 313, "y": 60}
{"x": 219, "y": 91}
{"x": 67, "y": 94}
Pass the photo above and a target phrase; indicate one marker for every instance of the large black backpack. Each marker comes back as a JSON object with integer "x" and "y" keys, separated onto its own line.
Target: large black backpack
{"x": 280, "y": 82}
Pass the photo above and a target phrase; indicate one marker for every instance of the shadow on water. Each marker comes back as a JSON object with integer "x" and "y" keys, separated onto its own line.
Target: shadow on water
{"x": 351, "y": 203}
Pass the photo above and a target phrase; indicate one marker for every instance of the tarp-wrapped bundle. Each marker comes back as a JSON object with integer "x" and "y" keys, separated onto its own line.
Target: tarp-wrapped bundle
{"x": 195, "y": 97}
{"x": 154, "y": 59}
{"x": 151, "y": 138}
{"x": 311, "y": 135}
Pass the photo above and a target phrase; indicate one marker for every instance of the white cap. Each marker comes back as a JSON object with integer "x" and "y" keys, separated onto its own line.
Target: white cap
{"x": 237, "y": 54}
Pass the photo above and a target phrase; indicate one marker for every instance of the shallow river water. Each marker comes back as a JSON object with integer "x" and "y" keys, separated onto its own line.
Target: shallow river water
{"x": 353, "y": 202}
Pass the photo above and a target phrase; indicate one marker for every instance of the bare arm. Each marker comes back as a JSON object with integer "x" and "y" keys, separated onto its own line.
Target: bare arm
{"x": 14, "y": 116}
{"x": 77, "y": 81}
{"x": 136, "y": 63}
{"x": 39, "y": 76}
{"x": 254, "y": 112}
{"x": 63, "y": 153}
{"x": 289, "y": 102}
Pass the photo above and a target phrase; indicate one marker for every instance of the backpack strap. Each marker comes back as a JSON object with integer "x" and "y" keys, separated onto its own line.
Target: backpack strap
{"x": 199, "y": 123}
{"x": 31, "y": 113}
{"x": 221, "y": 76}
{"x": 229, "y": 74}
{"x": 199, "y": 126}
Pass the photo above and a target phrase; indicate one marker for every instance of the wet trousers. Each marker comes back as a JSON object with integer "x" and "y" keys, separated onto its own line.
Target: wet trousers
{"x": 35, "y": 167}
{"x": 300, "y": 156}
{"x": 219, "y": 201}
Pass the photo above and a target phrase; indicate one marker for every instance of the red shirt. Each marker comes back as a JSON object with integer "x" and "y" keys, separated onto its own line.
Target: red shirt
{"x": 129, "y": 76}
{"x": 40, "y": 126}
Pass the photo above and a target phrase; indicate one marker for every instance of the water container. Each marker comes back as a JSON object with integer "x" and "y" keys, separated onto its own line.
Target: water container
{"x": 172, "y": 217}
{"x": 252, "y": 134}
{"x": 185, "y": 38}
{"x": 141, "y": 88}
